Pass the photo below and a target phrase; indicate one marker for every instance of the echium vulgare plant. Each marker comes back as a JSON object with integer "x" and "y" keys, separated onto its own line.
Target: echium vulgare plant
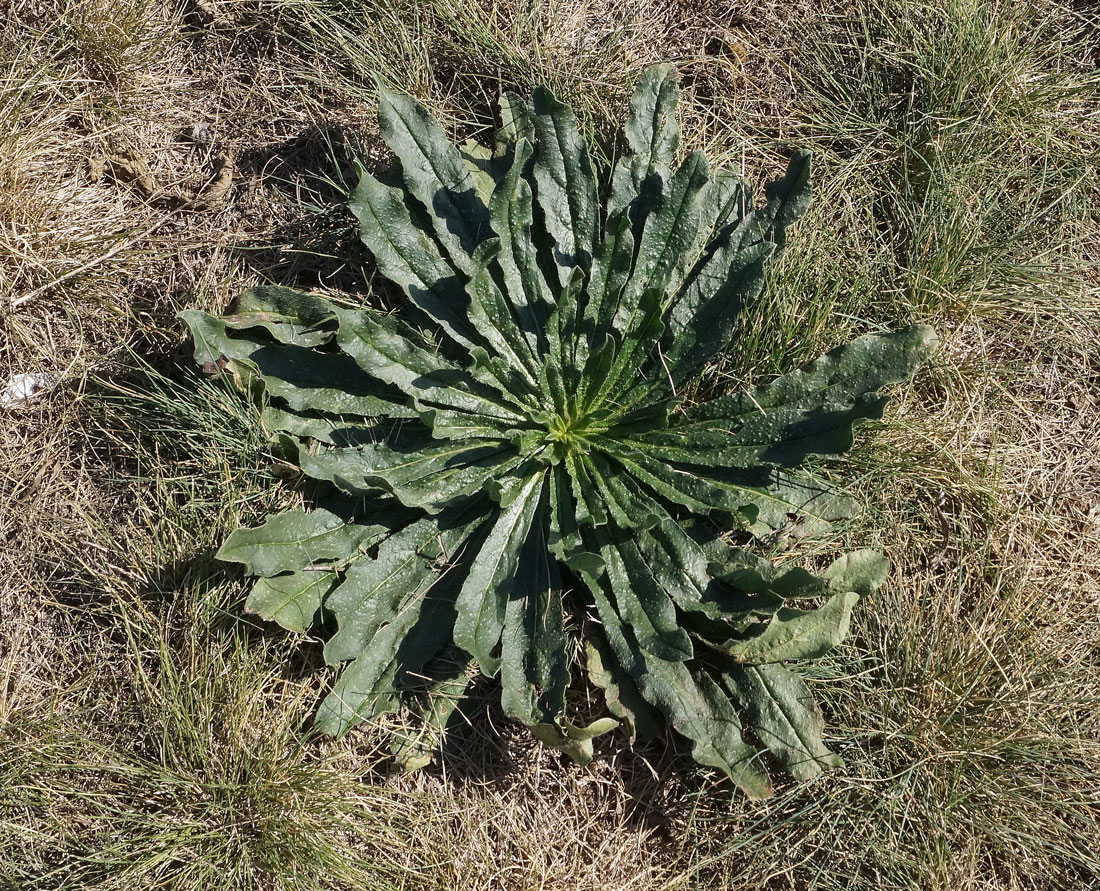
{"x": 510, "y": 470}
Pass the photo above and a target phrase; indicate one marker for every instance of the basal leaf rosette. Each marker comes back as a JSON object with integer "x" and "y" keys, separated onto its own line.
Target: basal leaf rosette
{"x": 509, "y": 464}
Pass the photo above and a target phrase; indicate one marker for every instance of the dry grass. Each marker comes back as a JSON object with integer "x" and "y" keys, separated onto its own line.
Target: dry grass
{"x": 151, "y": 737}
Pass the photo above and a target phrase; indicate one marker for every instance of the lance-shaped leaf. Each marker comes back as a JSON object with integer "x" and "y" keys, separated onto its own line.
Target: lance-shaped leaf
{"x": 788, "y": 199}
{"x": 318, "y": 426}
{"x": 516, "y": 122}
{"x": 693, "y": 705}
{"x": 639, "y": 598}
{"x": 862, "y": 572}
{"x": 533, "y": 669}
{"x": 493, "y": 316}
{"x": 668, "y": 234}
{"x": 784, "y": 717}
{"x": 431, "y": 477}
{"x": 299, "y": 377}
{"x": 492, "y": 579}
{"x": 511, "y": 212}
{"x": 433, "y": 702}
{"x": 634, "y": 351}
{"x": 381, "y": 349}
{"x": 747, "y": 572}
{"x": 406, "y": 254}
{"x": 414, "y": 631}
{"x": 373, "y": 590}
{"x": 812, "y": 410}
{"x": 682, "y": 568}
{"x": 296, "y": 539}
{"x": 563, "y": 536}
{"x": 651, "y": 129}
{"x": 723, "y": 203}
{"x": 628, "y": 505}
{"x": 653, "y": 134}
{"x": 769, "y": 500}
{"x": 624, "y": 700}
{"x": 797, "y": 633}
{"x": 435, "y": 175}
{"x": 287, "y": 315}
{"x": 706, "y": 313}
{"x": 591, "y": 510}
{"x": 785, "y": 436}
{"x": 482, "y": 166}
{"x": 610, "y": 273}
{"x": 566, "y": 184}
{"x": 561, "y": 328}
{"x": 782, "y": 499}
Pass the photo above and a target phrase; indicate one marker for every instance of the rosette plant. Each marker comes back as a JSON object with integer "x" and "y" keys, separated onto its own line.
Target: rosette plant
{"x": 511, "y": 469}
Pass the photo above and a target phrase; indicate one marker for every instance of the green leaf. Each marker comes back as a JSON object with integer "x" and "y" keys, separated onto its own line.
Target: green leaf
{"x": 621, "y": 693}
{"x": 651, "y": 129}
{"x": 435, "y": 175}
{"x": 433, "y": 707}
{"x": 723, "y": 203}
{"x": 482, "y": 602}
{"x": 511, "y": 215}
{"x": 784, "y": 717}
{"x": 294, "y": 375}
{"x": 627, "y": 504}
{"x": 426, "y": 477}
{"x": 320, "y": 427}
{"x": 213, "y": 345}
{"x": 381, "y": 349}
{"x": 293, "y": 600}
{"x": 296, "y": 539}
{"x": 791, "y": 500}
{"x": 682, "y": 568}
{"x": 668, "y": 233}
{"x": 862, "y": 572}
{"x": 482, "y": 166}
{"x": 694, "y": 705}
{"x": 289, "y": 316}
{"x": 788, "y": 199}
{"x": 652, "y": 132}
{"x": 590, "y": 508}
{"x": 783, "y": 436}
{"x": 566, "y": 184}
{"x": 374, "y": 590}
{"x": 639, "y": 598}
{"x": 516, "y": 121}
{"x": 407, "y": 255}
{"x": 772, "y": 499}
{"x": 563, "y": 536}
{"x": 812, "y": 410}
{"x": 534, "y": 670}
{"x": 746, "y": 572}
{"x": 492, "y": 315}
{"x": 610, "y": 272}
{"x": 798, "y": 634}
{"x": 634, "y": 350}
{"x": 706, "y": 312}
{"x": 416, "y": 631}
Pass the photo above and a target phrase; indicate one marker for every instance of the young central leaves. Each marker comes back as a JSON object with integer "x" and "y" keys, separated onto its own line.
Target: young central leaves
{"x": 516, "y": 432}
